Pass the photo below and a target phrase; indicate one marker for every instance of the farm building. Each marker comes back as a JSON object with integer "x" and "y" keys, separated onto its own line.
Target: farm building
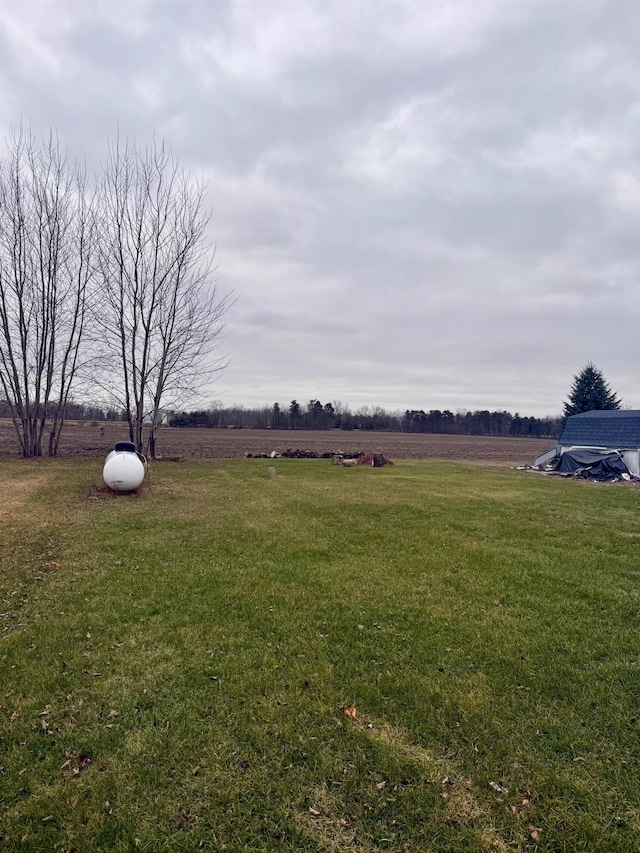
{"x": 606, "y": 431}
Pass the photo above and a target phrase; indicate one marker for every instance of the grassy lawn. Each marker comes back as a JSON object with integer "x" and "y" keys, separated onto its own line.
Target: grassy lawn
{"x": 180, "y": 669}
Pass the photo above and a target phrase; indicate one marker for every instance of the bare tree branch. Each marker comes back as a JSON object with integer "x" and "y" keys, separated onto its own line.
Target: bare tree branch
{"x": 161, "y": 313}
{"x": 46, "y": 241}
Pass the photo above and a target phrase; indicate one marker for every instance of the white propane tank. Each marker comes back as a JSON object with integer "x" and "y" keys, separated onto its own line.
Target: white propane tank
{"x": 123, "y": 468}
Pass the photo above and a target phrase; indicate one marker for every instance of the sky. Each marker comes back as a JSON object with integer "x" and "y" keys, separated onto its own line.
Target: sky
{"x": 416, "y": 204}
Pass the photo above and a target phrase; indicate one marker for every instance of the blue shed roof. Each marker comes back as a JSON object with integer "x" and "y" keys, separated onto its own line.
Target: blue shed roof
{"x": 604, "y": 428}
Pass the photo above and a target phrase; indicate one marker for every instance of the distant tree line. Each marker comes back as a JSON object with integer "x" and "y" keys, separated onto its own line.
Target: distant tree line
{"x": 481, "y": 422}
{"x": 316, "y": 415}
{"x": 75, "y": 412}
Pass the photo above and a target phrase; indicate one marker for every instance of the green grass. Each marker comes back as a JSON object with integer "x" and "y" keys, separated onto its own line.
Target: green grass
{"x": 174, "y": 664}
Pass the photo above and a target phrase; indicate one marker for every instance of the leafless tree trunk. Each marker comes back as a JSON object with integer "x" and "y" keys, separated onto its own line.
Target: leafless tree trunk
{"x": 161, "y": 314}
{"x": 46, "y": 240}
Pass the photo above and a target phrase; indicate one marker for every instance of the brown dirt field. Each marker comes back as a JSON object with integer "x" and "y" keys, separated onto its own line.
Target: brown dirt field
{"x": 96, "y": 440}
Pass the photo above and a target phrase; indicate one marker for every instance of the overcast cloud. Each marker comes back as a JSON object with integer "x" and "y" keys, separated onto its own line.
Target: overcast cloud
{"x": 419, "y": 204}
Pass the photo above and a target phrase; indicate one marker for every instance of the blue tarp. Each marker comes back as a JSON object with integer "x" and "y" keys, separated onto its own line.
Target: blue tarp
{"x": 592, "y": 464}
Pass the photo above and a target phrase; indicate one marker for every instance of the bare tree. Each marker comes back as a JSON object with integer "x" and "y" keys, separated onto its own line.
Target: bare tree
{"x": 46, "y": 242}
{"x": 161, "y": 312}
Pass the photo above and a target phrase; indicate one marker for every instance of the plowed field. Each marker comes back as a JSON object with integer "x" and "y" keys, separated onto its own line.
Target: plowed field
{"x": 97, "y": 439}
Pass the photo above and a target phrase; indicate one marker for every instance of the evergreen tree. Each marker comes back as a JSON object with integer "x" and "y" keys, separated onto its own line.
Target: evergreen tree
{"x": 590, "y": 391}
{"x": 276, "y": 417}
{"x": 294, "y": 414}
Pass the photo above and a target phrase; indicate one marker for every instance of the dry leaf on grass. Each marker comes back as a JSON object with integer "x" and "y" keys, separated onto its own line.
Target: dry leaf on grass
{"x": 534, "y": 832}
{"x": 82, "y": 761}
{"x": 447, "y": 784}
{"x": 349, "y": 711}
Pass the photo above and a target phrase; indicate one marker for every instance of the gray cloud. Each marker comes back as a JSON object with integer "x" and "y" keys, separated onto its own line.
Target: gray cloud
{"x": 420, "y": 205}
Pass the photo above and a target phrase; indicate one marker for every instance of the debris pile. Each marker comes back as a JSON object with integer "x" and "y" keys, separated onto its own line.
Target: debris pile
{"x": 339, "y": 457}
{"x": 376, "y": 460}
{"x": 301, "y": 454}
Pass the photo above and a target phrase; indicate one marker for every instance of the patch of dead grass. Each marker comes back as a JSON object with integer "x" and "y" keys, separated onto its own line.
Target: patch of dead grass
{"x": 17, "y": 494}
{"x": 392, "y": 737}
{"x": 463, "y": 805}
{"x": 462, "y": 802}
{"x": 332, "y": 832}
